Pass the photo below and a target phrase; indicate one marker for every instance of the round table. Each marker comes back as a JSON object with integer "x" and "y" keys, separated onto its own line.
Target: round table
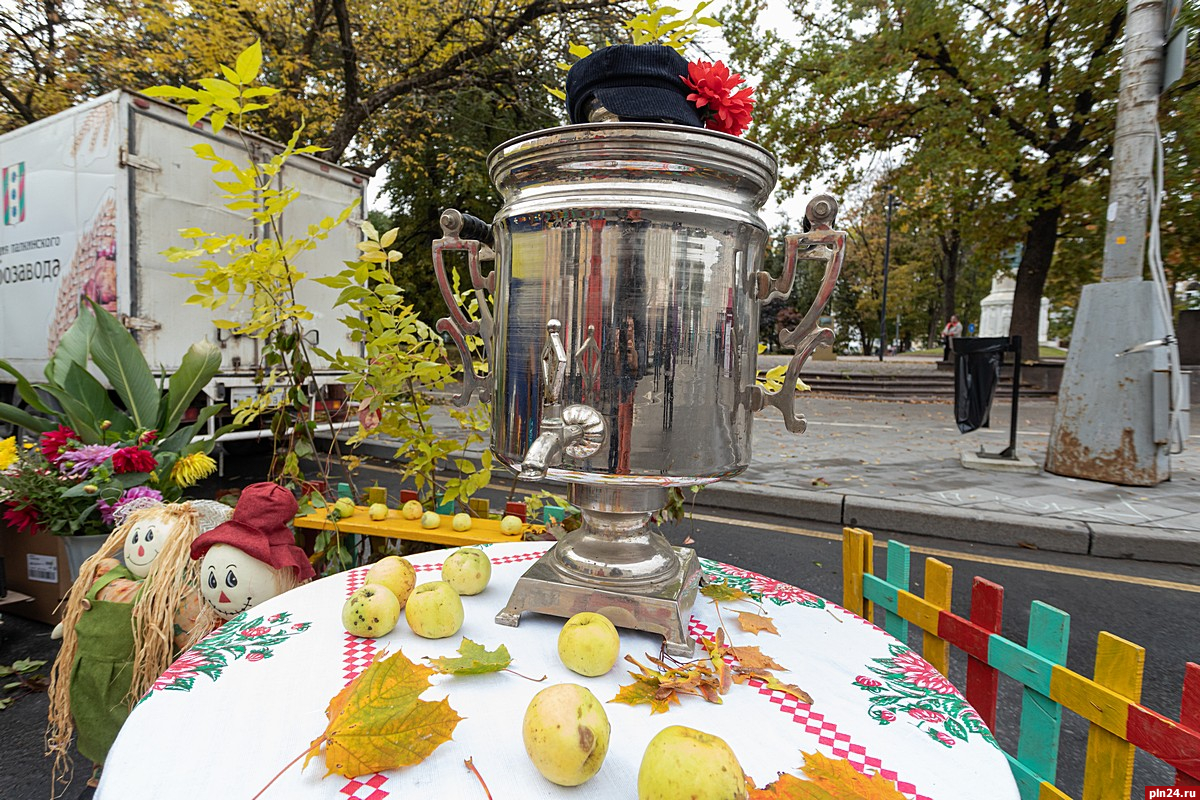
{"x": 231, "y": 712}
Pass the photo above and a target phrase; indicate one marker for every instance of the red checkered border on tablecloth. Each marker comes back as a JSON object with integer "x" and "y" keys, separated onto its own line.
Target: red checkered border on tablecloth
{"x": 815, "y": 724}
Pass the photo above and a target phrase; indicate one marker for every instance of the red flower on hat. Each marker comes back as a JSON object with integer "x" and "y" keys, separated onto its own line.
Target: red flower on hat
{"x": 133, "y": 459}
{"x": 722, "y": 105}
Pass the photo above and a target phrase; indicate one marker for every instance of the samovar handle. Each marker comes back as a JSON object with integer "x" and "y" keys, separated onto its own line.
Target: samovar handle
{"x": 818, "y": 242}
{"x": 456, "y": 225}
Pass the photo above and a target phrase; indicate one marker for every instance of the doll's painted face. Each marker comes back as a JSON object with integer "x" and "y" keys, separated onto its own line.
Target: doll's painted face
{"x": 232, "y": 581}
{"x": 145, "y": 539}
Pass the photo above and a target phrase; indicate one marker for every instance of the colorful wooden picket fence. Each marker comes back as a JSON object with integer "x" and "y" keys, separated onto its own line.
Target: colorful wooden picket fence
{"x": 1119, "y": 724}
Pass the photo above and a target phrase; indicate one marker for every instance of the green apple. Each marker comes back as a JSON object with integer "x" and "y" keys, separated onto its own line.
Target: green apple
{"x": 431, "y": 519}
{"x": 468, "y": 570}
{"x": 412, "y": 510}
{"x": 371, "y": 611}
{"x": 344, "y": 506}
{"x": 684, "y": 762}
{"x": 434, "y": 610}
{"x": 511, "y": 525}
{"x": 589, "y": 644}
{"x": 461, "y": 522}
{"x": 566, "y": 733}
{"x": 395, "y": 573}
{"x": 377, "y": 511}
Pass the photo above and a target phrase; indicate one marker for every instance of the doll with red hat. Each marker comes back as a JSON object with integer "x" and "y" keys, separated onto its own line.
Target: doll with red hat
{"x": 253, "y": 556}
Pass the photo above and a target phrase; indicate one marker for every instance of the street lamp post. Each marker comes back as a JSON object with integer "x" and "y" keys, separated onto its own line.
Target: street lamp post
{"x": 887, "y": 254}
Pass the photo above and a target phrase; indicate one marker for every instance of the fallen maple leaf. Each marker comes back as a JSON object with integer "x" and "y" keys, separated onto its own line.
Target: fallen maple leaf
{"x": 753, "y": 623}
{"x": 788, "y": 688}
{"x": 753, "y": 658}
{"x": 828, "y": 779}
{"x": 723, "y": 593}
{"x": 378, "y": 722}
{"x": 474, "y": 659}
{"x": 645, "y": 690}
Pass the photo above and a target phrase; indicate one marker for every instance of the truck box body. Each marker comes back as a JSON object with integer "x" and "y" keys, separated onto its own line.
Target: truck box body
{"x": 93, "y": 195}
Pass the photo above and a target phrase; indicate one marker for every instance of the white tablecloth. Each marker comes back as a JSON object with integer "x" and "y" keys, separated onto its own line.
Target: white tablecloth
{"x": 233, "y": 711}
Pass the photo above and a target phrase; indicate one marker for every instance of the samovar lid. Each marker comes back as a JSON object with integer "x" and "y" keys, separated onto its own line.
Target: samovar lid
{"x": 633, "y": 150}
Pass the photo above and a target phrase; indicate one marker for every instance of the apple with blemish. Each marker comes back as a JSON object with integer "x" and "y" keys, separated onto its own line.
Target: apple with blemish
{"x": 377, "y": 512}
{"x": 431, "y": 520}
{"x": 412, "y": 510}
{"x": 468, "y": 570}
{"x": 395, "y": 573}
{"x": 566, "y": 734}
{"x": 434, "y": 610}
{"x": 684, "y": 762}
{"x": 461, "y": 522}
{"x": 371, "y": 611}
{"x": 511, "y": 525}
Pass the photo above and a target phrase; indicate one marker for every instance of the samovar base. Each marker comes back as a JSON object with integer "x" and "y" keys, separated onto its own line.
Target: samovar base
{"x": 664, "y": 610}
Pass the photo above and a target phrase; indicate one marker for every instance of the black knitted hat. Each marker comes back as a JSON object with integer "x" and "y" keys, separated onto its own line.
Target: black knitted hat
{"x": 635, "y": 82}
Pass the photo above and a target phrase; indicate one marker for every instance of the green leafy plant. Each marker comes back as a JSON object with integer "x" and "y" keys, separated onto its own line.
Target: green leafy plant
{"x": 257, "y": 274}
{"x": 23, "y": 675}
{"x": 94, "y": 454}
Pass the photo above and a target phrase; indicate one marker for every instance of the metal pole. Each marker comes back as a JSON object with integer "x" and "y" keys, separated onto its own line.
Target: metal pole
{"x": 887, "y": 253}
{"x": 1134, "y": 142}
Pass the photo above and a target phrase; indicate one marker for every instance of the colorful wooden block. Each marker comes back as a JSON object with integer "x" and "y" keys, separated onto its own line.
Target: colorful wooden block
{"x": 480, "y": 506}
{"x": 408, "y": 494}
{"x": 444, "y": 506}
{"x": 376, "y": 494}
{"x": 553, "y": 514}
{"x": 897, "y": 575}
{"x": 343, "y": 490}
{"x": 516, "y": 509}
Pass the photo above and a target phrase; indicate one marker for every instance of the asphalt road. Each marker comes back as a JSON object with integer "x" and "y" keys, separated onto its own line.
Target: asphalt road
{"x": 1099, "y": 594}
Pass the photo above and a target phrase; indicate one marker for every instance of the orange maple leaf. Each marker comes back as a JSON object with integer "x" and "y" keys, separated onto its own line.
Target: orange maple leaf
{"x": 754, "y": 658}
{"x": 754, "y": 623}
{"x": 828, "y": 779}
{"x": 379, "y": 722}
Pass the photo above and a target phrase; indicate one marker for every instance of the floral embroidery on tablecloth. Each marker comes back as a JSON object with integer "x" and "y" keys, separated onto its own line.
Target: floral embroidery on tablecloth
{"x": 759, "y": 586}
{"x": 240, "y": 638}
{"x": 908, "y": 687}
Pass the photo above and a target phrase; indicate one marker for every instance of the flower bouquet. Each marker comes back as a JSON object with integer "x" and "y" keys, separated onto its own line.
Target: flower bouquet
{"x": 91, "y": 456}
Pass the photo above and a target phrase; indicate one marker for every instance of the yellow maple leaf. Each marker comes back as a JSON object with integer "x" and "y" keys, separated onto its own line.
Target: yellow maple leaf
{"x": 379, "y": 722}
{"x": 723, "y": 593}
{"x": 828, "y": 779}
{"x": 645, "y": 690}
{"x": 753, "y": 623}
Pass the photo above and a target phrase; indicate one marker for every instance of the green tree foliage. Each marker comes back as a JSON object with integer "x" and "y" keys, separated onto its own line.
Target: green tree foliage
{"x": 1013, "y": 101}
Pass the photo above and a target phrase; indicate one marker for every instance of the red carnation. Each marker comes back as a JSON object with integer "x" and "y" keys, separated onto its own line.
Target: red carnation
{"x": 722, "y": 106}
{"x": 133, "y": 459}
{"x": 55, "y": 441}
{"x": 23, "y": 520}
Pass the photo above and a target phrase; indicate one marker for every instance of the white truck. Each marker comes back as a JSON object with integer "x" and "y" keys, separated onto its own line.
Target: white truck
{"x": 94, "y": 195}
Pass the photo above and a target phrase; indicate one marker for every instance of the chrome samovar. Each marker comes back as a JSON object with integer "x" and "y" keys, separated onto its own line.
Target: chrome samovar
{"x": 622, "y": 351}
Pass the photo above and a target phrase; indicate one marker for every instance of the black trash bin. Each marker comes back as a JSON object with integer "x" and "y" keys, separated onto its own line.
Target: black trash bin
{"x": 976, "y": 375}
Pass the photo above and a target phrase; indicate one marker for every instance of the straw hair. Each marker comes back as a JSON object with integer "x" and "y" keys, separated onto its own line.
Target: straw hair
{"x": 172, "y": 576}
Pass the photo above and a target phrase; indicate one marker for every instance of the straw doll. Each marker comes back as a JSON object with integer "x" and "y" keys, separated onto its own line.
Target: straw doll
{"x": 123, "y": 625}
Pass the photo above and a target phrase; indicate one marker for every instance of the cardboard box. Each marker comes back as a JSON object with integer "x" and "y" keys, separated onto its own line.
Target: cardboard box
{"x": 37, "y": 566}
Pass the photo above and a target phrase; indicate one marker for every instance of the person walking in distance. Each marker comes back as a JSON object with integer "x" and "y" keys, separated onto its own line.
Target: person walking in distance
{"x": 953, "y": 329}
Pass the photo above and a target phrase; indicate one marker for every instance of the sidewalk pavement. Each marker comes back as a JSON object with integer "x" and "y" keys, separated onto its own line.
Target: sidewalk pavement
{"x": 896, "y": 467}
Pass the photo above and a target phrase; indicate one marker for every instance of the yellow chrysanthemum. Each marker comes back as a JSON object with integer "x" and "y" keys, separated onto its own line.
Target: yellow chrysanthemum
{"x": 8, "y": 452}
{"x": 191, "y": 469}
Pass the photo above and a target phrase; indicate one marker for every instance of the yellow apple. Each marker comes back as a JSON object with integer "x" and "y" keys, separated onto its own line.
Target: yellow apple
{"x": 461, "y": 522}
{"x": 431, "y": 519}
{"x": 684, "y": 762}
{"x": 395, "y": 573}
{"x": 468, "y": 570}
{"x": 434, "y": 610}
{"x": 371, "y": 611}
{"x": 589, "y": 644}
{"x": 412, "y": 510}
{"x": 377, "y": 511}
{"x": 511, "y": 525}
{"x": 566, "y": 734}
